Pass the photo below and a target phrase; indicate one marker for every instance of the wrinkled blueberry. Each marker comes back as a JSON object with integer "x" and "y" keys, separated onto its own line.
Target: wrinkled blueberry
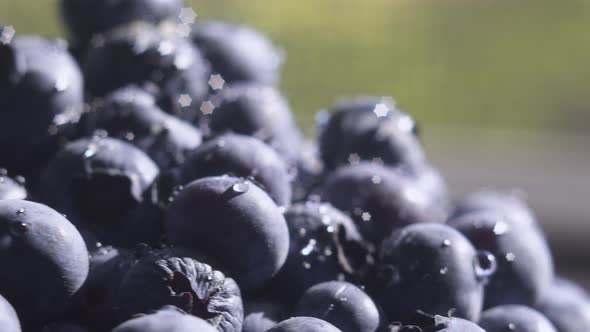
{"x": 8, "y": 318}
{"x": 165, "y": 278}
{"x": 259, "y": 111}
{"x": 380, "y": 199}
{"x": 567, "y": 306}
{"x": 240, "y": 156}
{"x": 239, "y": 53}
{"x": 45, "y": 257}
{"x": 515, "y": 318}
{"x": 324, "y": 245}
{"x": 131, "y": 114}
{"x": 234, "y": 221}
{"x": 41, "y": 94}
{"x": 86, "y": 18}
{"x": 155, "y": 58}
{"x": 430, "y": 269}
{"x": 525, "y": 265}
{"x": 304, "y": 324}
{"x": 168, "y": 319}
{"x": 369, "y": 129}
{"x": 99, "y": 183}
{"x": 341, "y": 303}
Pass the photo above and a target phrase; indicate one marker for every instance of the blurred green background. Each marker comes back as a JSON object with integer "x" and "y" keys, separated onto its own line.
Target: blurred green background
{"x": 500, "y": 64}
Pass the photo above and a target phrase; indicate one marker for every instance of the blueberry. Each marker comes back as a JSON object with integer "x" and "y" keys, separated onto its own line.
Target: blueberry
{"x": 341, "y": 303}
{"x": 239, "y": 53}
{"x": 241, "y": 156}
{"x": 132, "y": 114}
{"x": 515, "y": 318}
{"x": 261, "y": 313}
{"x": 433, "y": 269}
{"x": 45, "y": 257}
{"x": 380, "y": 199}
{"x": 167, "y": 319}
{"x": 86, "y": 18}
{"x": 100, "y": 183}
{"x": 453, "y": 324}
{"x": 510, "y": 204}
{"x": 41, "y": 95}
{"x": 566, "y": 305}
{"x": 183, "y": 282}
{"x": 11, "y": 188}
{"x": 8, "y": 318}
{"x": 324, "y": 245}
{"x": 304, "y": 324}
{"x": 234, "y": 221}
{"x": 525, "y": 265}
{"x": 369, "y": 129}
{"x": 154, "y": 58}
{"x": 260, "y": 111}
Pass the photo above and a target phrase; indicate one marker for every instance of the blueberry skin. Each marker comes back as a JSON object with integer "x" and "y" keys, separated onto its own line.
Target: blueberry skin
{"x": 41, "y": 94}
{"x": 510, "y": 204}
{"x": 261, "y": 313}
{"x": 304, "y": 324}
{"x": 167, "y": 319}
{"x": 525, "y": 265}
{"x": 47, "y": 257}
{"x": 254, "y": 232}
{"x": 453, "y": 324}
{"x": 324, "y": 245}
{"x": 430, "y": 268}
{"x": 515, "y": 318}
{"x": 100, "y": 183}
{"x": 260, "y": 111}
{"x": 11, "y": 188}
{"x": 183, "y": 282}
{"x": 240, "y": 156}
{"x": 341, "y": 303}
{"x": 380, "y": 199}
{"x": 567, "y": 306}
{"x": 86, "y": 18}
{"x": 8, "y": 318}
{"x": 239, "y": 53}
{"x": 132, "y": 114}
{"x": 155, "y": 58}
{"x": 355, "y": 130}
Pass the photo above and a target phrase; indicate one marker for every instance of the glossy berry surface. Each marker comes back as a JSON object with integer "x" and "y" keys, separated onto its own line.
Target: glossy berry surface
{"x": 167, "y": 319}
{"x": 566, "y": 305}
{"x": 525, "y": 265}
{"x": 240, "y": 156}
{"x": 259, "y": 111}
{"x": 515, "y": 318}
{"x": 41, "y": 94}
{"x": 433, "y": 269}
{"x": 99, "y": 183}
{"x": 369, "y": 129}
{"x": 86, "y": 18}
{"x": 254, "y": 232}
{"x": 151, "y": 57}
{"x": 304, "y": 324}
{"x": 239, "y": 53}
{"x": 379, "y": 199}
{"x": 35, "y": 241}
{"x": 341, "y": 303}
{"x": 131, "y": 114}
{"x": 324, "y": 246}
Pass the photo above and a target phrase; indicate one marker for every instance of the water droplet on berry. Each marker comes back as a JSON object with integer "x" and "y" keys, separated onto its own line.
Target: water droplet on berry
{"x": 485, "y": 265}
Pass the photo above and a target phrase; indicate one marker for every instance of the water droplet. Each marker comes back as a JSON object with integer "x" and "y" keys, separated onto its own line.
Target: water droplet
{"x": 302, "y": 232}
{"x": 306, "y": 265}
{"x": 444, "y": 270}
{"x": 330, "y": 229}
{"x": 485, "y": 265}
{"x": 446, "y": 243}
{"x": 129, "y": 136}
{"x": 501, "y": 228}
{"x": 376, "y": 179}
{"x": 510, "y": 257}
{"x": 512, "y": 326}
{"x": 328, "y": 252}
{"x": 20, "y": 211}
{"x": 308, "y": 249}
{"x": 241, "y": 187}
{"x": 90, "y": 150}
{"x": 366, "y": 216}
{"x": 354, "y": 158}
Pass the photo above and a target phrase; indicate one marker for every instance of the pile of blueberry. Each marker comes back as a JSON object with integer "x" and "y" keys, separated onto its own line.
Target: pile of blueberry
{"x": 168, "y": 189}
